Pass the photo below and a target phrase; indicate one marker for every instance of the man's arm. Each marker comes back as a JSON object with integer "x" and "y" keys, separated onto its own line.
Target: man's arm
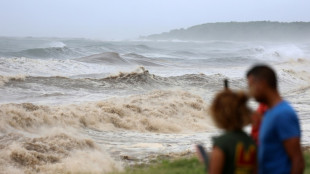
{"x": 293, "y": 149}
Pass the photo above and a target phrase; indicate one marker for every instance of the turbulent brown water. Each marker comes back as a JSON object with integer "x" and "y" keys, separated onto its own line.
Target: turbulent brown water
{"x": 159, "y": 111}
{"x": 74, "y": 106}
{"x": 55, "y": 138}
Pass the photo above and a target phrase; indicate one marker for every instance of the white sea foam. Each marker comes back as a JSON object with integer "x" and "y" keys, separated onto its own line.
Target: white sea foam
{"x": 56, "y": 44}
{"x": 282, "y": 52}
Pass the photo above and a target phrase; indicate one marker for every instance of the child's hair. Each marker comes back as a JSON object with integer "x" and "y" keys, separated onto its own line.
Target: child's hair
{"x": 229, "y": 110}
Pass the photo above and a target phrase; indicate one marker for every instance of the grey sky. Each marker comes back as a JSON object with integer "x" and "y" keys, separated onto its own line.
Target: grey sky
{"x": 122, "y": 19}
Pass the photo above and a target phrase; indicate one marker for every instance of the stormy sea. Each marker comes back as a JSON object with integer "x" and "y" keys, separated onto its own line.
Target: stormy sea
{"x": 80, "y": 105}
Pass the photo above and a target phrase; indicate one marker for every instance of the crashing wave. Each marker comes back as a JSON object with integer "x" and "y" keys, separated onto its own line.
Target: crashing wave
{"x": 159, "y": 111}
{"x": 53, "y": 152}
{"x": 6, "y": 79}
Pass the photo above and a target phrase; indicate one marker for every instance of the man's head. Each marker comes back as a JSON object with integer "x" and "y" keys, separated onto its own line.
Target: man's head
{"x": 261, "y": 80}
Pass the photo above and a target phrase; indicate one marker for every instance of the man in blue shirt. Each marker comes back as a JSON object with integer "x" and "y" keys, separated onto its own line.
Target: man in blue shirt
{"x": 279, "y": 149}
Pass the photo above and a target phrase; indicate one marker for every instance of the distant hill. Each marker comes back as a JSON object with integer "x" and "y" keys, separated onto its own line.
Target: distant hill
{"x": 240, "y": 31}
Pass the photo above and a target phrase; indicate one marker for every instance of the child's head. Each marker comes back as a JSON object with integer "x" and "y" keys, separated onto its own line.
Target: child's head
{"x": 229, "y": 110}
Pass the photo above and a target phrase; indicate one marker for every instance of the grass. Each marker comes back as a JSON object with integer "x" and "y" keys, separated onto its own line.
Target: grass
{"x": 182, "y": 166}
{"x": 307, "y": 162}
{"x": 179, "y": 166}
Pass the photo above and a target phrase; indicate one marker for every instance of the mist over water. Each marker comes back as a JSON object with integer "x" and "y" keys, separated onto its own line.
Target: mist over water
{"x": 67, "y": 102}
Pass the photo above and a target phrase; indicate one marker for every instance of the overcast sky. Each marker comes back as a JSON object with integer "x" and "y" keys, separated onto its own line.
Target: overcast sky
{"x": 125, "y": 19}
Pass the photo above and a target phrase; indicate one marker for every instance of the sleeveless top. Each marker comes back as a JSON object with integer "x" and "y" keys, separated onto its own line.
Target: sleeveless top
{"x": 239, "y": 150}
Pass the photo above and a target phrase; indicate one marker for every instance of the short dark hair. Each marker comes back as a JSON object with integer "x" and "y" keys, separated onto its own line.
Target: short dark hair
{"x": 264, "y": 72}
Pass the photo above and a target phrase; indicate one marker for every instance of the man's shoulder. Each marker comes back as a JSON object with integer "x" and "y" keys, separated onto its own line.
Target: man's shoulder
{"x": 286, "y": 104}
{"x": 284, "y": 108}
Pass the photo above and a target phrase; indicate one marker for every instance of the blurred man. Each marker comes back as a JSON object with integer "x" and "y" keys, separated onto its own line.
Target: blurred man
{"x": 279, "y": 137}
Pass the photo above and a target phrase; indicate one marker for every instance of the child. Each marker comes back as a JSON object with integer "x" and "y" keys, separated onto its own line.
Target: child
{"x": 234, "y": 152}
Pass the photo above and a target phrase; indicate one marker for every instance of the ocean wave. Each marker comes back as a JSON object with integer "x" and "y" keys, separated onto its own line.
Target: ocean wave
{"x": 104, "y": 58}
{"x": 6, "y": 79}
{"x": 141, "y": 78}
{"x": 138, "y": 80}
{"x": 114, "y": 58}
{"x": 158, "y": 111}
{"x": 47, "y": 67}
{"x": 134, "y": 55}
{"x": 231, "y": 60}
{"x": 298, "y": 66}
{"x": 46, "y": 52}
{"x": 54, "y": 152}
{"x": 282, "y": 52}
{"x": 57, "y": 44}
{"x": 138, "y": 77}
{"x": 290, "y": 75}
{"x": 138, "y": 72}
{"x": 145, "y": 47}
{"x": 184, "y": 53}
{"x": 301, "y": 75}
{"x": 141, "y": 60}
{"x": 134, "y": 47}
{"x": 50, "y": 52}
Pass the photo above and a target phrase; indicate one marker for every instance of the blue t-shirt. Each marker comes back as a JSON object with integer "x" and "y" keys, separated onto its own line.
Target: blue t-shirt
{"x": 279, "y": 123}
